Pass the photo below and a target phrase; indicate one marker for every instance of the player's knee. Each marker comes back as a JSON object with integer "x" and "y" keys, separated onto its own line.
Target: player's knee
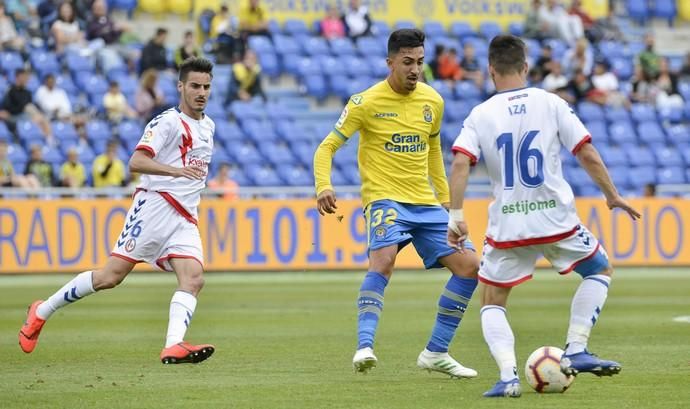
{"x": 103, "y": 280}
{"x": 193, "y": 284}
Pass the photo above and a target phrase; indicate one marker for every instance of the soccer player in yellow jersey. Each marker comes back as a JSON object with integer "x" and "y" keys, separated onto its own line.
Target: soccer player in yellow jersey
{"x": 399, "y": 151}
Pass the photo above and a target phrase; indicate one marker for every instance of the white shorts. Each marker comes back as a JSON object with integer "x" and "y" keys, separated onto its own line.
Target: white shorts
{"x": 155, "y": 232}
{"x": 509, "y": 267}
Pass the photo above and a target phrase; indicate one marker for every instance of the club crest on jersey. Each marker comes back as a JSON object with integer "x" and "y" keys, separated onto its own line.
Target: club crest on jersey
{"x": 130, "y": 245}
{"x": 380, "y": 232}
{"x": 428, "y": 117}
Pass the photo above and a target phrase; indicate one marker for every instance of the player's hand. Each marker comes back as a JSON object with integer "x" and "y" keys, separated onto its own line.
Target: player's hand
{"x": 458, "y": 232}
{"x": 619, "y": 202}
{"x": 325, "y": 202}
{"x": 190, "y": 172}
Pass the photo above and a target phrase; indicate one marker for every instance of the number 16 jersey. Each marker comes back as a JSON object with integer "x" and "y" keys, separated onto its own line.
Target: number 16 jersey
{"x": 519, "y": 133}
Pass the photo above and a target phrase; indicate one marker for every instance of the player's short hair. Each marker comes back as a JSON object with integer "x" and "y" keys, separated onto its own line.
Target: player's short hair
{"x": 195, "y": 64}
{"x": 405, "y": 38}
{"x": 507, "y": 54}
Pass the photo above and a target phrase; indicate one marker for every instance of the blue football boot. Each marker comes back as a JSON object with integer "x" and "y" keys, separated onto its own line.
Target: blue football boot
{"x": 505, "y": 389}
{"x": 587, "y": 362}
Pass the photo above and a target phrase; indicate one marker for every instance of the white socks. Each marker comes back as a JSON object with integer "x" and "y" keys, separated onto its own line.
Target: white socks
{"x": 500, "y": 339}
{"x": 587, "y": 304}
{"x": 79, "y": 287}
{"x": 182, "y": 308}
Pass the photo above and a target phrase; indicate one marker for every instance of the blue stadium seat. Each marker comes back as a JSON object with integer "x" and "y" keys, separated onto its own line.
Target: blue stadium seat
{"x": 533, "y": 48}
{"x": 614, "y": 114}
{"x": 307, "y": 67}
{"x": 261, "y": 44}
{"x": 643, "y": 112}
{"x": 215, "y": 110}
{"x": 128, "y": 83}
{"x": 53, "y": 156}
{"x": 577, "y": 177}
{"x": 670, "y": 114}
{"x": 684, "y": 89}
{"x": 238, "y": 175}
{"x": 558, "y": 47}
{"x": 286, "y": 45}
{"x": 642, "y": 175}
{"x": 246, "y": 153}
{"x": 316, "y": 86}
{"x": 379, "y": 67}
{"x": 125, "y": 5}
{"x": 640, "y": 155}
{"x": 516, "y": 29}
{"x": 457, "y": 111}
{"x": 44, "y": 62}
{"x": 611, "y": 49}
{"x": 5, "y": 134}
{"x": 316, "y": 46}
{"x": 481, "y": 47}
{"x": 64, "y": 131}
{"x": 130, "y": 130}
{"x": 598, "y": 131}
{"x": 622, "y": 132}
{"x": 622, "y": 67}
{"x": 461, "y": 30}
{"x": 400, "y": 24}
{"x": 220, "y": 155}
{"x": 29, "y": 131}
{"x": 678, "y": 135}
{"x": 337, "y": 178}
{"x": 380, "y": 28}
{"x": 369, "y": 47}
{"x": 651, "y": 133}
{"x": 290, "y": 63}
{"x": 637, "y": 10}
{"x": 489, "y": 29}
{"x": 274, "y": 27}
{"x": 10, "y": 61}
{"x": 229, "y": 133}
{"x": 613, "y": 156}
{"x": 665, "y": 9}
{"x": 351, "y": 173}
{"x": 295, "y": 27}
{"x": 77, "y": 63}
{"x": 246, "y": 110}
{"x": 339, "y": 85}
{"x": 269, "y": 64}
{"x": 357, "y": 67}
{"x": 433, "y": 29}
{"x": 263, "y": 175}
{"x": 670, "y": 175}
{"x": 342, "y": 46}
{"x": 331, "y": 65}
{"x": 260, "y": 131}
{"x": 589, "y": 111}
{"x": 443, "y": 89}
{"x": 669, "y": 157}
{"x": 620, "y": 176}
{"x": 93, "y": 83}
{"x": 295, "y": 175}
{"x": 304, "y": 152}
{"x": 16, "y": 153}
{"x": 97, "y": 130}
{"x": 65, "y": 82}
{"x": 467, "y": 90}
{"x": 359, "y": 84}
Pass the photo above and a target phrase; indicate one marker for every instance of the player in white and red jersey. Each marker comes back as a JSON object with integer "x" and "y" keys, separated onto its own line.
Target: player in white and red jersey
{"x": 519, "y": 132}
{"x": 161, "y": 226}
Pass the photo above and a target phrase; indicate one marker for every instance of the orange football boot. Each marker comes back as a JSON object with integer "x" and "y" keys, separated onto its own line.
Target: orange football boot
{"x": 186, "y": 353}
{"x": 28, "y": 335}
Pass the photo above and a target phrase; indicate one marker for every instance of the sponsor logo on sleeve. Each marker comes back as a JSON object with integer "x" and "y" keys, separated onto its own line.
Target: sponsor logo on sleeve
{"x": 341, "y": 120}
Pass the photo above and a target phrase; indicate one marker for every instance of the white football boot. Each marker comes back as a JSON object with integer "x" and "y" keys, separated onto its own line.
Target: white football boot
{"x": 444, "y": 363}
{"x": 364, "y": 360}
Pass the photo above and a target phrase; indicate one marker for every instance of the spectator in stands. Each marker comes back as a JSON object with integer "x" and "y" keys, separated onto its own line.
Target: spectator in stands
{"x": 578, "y": 58}
{"x": 667, "y": 86}
{"x": 559, "y": 24}
{"x": 449, "y": 67}
{"x": 39, "y": 168}
{"x": 65, "y": 30}
{"x": 221, "y": 21}
{"x": 332, "y": 25}
{"x": 101, "y": 25}
{"x": 72, "y": 172}
{"x": 9, "y": 39}
{"x": 8, "y": 177}
{"x": 223, "y": 182}
{"x": 643, "y": 90}
{"x": 685, "y": 69}
{"x": 576, "y": 9}
{"x": 229, "y": 46}
{"x": 149, "y": 99}
{"x": 116, "y": 105}
{"x": 17, "y": 105}
{"x": 533, "y": 27}
{"x": 607, "y": 29}
{"x": 439, "y": 51}
{"x": 555, "y": 81}
{"x": 53, "y": 100}
{"x": 245, "y": 82}
{"x": 357, "y": 20}
{"x": 649, "y": 59}
{"x": 471, "y": 69}
{"x": 154, "y": 55}
{"x": 108, "y": 170}
{"x": 649, "y": 190}
{"x": 580, "y": 87}
{"x": 607, "y": 82}
{"x": 23, "y": 12}
{"x": 253, "y": 20}
{"x": 187, "y": 49}
{"x": 545, "y": 60}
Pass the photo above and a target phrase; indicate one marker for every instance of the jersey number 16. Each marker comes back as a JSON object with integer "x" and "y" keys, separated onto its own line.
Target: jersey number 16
{"x": 530, "y": 176}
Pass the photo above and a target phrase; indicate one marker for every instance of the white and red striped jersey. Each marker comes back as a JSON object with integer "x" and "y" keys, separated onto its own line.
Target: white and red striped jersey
{"x": 178, "y": 140}
{"x": 519, "y": 133}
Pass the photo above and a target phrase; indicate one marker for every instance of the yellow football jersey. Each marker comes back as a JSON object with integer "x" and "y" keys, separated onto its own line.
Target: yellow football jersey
{"x": 399, "y": 143}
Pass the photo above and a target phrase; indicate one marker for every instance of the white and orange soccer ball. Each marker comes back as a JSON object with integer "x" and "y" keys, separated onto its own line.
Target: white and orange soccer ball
{"x": 543, "y": 371}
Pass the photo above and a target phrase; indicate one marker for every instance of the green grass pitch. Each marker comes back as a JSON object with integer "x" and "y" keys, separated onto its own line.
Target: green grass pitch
{"x": 285, "y": 340}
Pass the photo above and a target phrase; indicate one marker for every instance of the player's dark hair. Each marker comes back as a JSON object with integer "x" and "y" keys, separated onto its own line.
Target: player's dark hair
{"x": 405, "y": 38}
{"x": 507, "y": 54}
{"x": 195, "y": 64}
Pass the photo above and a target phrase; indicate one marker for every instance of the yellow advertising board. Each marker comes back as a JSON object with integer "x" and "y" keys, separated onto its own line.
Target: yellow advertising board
{"x": 76, "y": 235}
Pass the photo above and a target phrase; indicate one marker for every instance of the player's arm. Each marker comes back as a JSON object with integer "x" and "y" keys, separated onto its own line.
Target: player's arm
{"x": 142, "y": 162}
{"x": 437, "y": 171}
{"x": 348, "y": 123}
{"x": 591, "y": 161}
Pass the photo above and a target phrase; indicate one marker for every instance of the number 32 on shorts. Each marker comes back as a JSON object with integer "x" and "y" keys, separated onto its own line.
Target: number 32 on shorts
{"x": 379, "y": 216}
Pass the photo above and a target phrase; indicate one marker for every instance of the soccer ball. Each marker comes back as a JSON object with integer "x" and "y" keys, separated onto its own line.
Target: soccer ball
{"x": 543, "y": 371}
